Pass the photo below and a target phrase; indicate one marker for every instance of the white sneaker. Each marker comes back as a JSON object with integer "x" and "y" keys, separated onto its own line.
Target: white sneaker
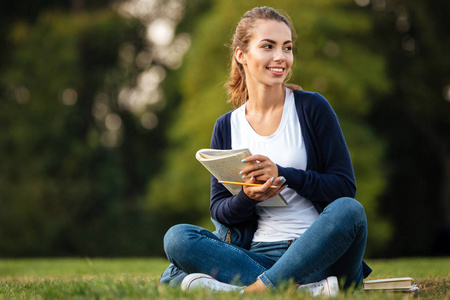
{"x": 328, "y": 287}
{"x": 203, "y": 281}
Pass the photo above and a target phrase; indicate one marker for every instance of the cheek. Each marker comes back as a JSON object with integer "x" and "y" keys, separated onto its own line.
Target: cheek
{"x": 290, "y": 60}
{"x": 290, "y": 63}
{"x": 258, "y": 61}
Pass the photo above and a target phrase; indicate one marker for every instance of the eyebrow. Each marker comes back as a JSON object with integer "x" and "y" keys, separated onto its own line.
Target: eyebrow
{"x": 273, "y": 42}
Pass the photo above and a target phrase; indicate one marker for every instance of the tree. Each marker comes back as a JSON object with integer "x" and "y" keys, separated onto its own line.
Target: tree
{"x": 83, "y": 121}
{"x": 414, "y": 119}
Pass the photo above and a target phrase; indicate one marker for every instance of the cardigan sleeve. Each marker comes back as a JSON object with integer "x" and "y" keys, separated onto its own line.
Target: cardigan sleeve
{"x": 329, "y": 174}
{"x": 226, "y": 208}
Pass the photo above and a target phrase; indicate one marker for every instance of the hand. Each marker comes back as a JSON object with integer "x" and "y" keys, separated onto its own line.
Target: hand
{"x": 269, "y": 189}
{"x": 260, "y": 167}
{"x": 262, "y": 170}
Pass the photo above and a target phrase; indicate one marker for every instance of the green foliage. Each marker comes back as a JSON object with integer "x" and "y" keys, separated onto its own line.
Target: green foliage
{"x": 64, "y": 189}
{"x": 332, "y": 59}
{"x": 70, "y": 185}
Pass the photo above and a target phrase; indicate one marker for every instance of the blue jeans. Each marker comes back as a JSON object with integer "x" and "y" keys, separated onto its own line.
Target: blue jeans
{"x": 333, "y": 246}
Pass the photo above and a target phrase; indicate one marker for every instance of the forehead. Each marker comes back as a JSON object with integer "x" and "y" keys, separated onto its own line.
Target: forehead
{"x": 271, "y": 29}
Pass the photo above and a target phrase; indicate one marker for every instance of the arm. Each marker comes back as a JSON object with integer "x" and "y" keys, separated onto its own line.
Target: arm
{"x": 329, "y": 174}
{"x": 224, "y": 207}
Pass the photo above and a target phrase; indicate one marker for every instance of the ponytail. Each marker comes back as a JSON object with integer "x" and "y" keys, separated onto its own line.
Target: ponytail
{"x": 236, "y": 86}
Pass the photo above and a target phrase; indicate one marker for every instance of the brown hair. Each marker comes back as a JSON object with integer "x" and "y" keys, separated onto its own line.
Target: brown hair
{"x": 236, "y": 85}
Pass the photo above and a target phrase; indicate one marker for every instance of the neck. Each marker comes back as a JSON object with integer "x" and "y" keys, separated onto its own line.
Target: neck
{"x": 266, "y": 98}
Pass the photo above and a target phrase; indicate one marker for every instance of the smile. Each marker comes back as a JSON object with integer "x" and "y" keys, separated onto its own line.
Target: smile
{"x": 278, "y": 70}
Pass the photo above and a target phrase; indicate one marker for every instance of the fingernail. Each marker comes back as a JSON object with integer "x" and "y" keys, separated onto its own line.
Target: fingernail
{"x": 243, "y": 176}
{"x": 240, "y": 173}
{"x": 283, "y": 179}
{"x": 243, "y": 160}
{"x": 271, "y": 179}
{"x": 251, "y": 178}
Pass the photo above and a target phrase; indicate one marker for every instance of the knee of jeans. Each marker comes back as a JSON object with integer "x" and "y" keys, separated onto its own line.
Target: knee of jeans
{"x": 173, "y": 239}
{"x": 352, "y": 209}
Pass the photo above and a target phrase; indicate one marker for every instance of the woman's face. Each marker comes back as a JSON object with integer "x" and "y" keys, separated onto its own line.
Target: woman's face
{"x": 269, "y": 56}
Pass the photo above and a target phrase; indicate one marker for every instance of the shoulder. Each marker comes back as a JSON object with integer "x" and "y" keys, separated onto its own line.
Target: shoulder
{"x": 312, "y": 103}
{"x": 314, "y": 108}
{"x": 310, "y": 99}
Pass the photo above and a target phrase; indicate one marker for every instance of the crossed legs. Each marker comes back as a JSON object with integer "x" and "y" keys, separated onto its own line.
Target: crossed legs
{"x": 333, "y": 246}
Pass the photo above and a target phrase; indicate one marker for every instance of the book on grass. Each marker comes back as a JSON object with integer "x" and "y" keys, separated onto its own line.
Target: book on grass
{"x": 402, "y": 284}
{"x": 225, "y": 165}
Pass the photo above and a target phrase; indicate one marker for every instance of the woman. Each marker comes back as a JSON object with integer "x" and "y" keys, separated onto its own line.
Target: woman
{"x": 320, "y": 236}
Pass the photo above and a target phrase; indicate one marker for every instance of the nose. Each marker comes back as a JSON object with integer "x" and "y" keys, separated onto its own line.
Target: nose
{"x": 279, "y": 55}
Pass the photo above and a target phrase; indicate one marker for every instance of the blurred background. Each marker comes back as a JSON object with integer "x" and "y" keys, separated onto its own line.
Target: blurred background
{"x": 103, "y": 105}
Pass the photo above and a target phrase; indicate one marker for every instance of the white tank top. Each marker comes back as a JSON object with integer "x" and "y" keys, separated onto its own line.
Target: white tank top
{"x": 286, "y": 148}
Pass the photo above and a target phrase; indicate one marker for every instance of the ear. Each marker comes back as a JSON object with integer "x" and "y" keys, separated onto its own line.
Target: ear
{"x": 240, "y": 56}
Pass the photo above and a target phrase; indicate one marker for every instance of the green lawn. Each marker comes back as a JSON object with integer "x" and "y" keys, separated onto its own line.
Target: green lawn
{"x": 136, "y": 278}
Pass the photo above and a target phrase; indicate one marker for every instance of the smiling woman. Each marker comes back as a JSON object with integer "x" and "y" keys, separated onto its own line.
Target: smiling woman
{"x": 319, "y": 238}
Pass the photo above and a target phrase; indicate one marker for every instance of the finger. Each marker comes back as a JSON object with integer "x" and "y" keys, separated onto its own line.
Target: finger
{"x": 256, "y": 193}
{"x": 275, "y": 192}
{"x": 254, "y": 189}
{"x": 252, "y": 169}
{"x": 264, "y": 174}
{"x": 254, "y": 158}
{"x": 267, "y": 185}
{"x": 279, "y": 181}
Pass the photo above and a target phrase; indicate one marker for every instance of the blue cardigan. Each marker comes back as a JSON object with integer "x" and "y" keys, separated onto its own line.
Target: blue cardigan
{"x": 329, "y": 174}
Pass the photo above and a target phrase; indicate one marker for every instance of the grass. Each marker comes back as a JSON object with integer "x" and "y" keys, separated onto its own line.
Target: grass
{"x": 136, "y": 278}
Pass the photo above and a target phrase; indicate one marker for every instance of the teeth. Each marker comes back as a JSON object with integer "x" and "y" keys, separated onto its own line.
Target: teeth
{"x": 276, "y": 69}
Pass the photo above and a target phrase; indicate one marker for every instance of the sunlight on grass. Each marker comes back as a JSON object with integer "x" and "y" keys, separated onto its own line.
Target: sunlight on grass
{"x": 81, "y": 266}
{"x": 136, "y": 278}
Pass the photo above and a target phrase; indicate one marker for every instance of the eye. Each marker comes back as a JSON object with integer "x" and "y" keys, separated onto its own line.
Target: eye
{"x": 267, "y": 46}
{"x": 288, "y": 48}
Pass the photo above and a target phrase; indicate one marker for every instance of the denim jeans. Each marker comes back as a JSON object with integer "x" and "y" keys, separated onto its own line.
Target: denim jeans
{"x": 333, "y": 246}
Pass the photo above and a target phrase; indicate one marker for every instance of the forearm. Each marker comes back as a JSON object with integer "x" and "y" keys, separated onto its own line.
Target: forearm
{"x": 325, "y": 187}
{"x": 230, "y": 209}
